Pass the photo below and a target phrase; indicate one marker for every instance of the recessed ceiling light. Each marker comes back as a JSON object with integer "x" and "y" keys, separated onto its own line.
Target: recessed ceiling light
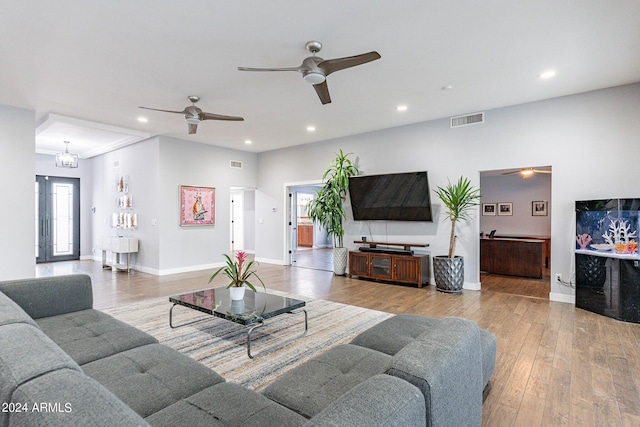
{"x": 248, "y": 141}
{"x": 447, "y": 87}
{"x": 143, "y": 119}
{"x": 547, "y": 74}
{"x": 401, "y": 108}
{"x": 311, "y": 128}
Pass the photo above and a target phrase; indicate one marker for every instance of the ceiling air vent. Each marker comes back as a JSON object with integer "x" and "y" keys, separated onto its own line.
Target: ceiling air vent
{"x": 235, "y": 164}
{"x": 469, "y": 119}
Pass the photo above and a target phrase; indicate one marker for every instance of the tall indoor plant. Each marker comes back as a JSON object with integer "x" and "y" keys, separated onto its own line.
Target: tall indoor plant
{"x": 459, "y": 199}
{"x": 327, "y": 208}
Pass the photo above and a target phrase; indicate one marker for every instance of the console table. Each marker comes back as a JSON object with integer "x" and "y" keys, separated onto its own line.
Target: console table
{"x": 118, "y": 246}
{"x": 390, "y": 264}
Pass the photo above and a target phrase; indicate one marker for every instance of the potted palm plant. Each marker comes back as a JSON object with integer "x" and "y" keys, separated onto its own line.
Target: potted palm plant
{"x": 239, "y": 271}
{"x": 327, "y": 208}
{"x": 459, "y": 199}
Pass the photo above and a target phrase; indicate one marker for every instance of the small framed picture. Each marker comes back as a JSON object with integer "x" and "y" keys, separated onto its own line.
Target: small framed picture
{"x": 488, "y": 209}
{"x": 539, "y": 208}
{"x": 505, "y": 209}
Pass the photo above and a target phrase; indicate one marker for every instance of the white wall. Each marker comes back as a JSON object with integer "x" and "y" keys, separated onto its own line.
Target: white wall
{"x": 139, "y": 162}
{"x": 520, "y": 192}
{"x": 589, "y": 139}
{"x": 156, "y": 169}
{"x": 190, "y": 163}
{"x": 17, "y": 174}
{"x": 46, "y": 165}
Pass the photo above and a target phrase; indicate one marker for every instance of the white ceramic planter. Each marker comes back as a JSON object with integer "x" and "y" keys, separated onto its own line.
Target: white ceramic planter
{"x": 237, "y": 293}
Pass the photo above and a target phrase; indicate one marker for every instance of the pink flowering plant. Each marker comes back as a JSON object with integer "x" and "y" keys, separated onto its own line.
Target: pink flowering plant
{"x": 239, "y": 271}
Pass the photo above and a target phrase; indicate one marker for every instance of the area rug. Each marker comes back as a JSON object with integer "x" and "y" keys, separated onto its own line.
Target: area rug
{"x": 277, "y": 347}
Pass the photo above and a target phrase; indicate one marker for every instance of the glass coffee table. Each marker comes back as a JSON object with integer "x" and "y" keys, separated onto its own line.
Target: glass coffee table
{"x": 252, "y": 311}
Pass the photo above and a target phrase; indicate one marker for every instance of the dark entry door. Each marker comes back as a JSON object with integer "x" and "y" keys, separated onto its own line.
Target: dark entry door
{"x": 57, "y": 218}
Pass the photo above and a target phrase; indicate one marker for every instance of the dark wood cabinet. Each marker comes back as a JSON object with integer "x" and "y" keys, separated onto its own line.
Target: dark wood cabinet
{"x": 412, "y": 269}
{"x": 358, "y": 264}
{"x": 512, "y": 257}
{"x": 305, "y": 236}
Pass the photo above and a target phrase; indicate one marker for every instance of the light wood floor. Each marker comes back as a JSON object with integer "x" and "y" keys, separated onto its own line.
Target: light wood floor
{"x": 556, "y": 365}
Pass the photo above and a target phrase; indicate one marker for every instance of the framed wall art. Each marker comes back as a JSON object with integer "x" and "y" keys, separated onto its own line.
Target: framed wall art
{"x": 197, "y": 206}
{"x": 505, "y": 209}
{"x": 539, "y": 208}
{"x": 488, "y": 209}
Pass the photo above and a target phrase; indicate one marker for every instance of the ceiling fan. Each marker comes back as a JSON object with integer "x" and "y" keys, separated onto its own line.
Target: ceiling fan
{"x": 528, "y": 172}
{"x": 194, "y": 115}
{"x": 315, "y": 69}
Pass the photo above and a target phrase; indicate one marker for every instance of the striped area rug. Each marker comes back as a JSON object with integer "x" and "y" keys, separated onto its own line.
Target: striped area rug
{"x": 276, "y": 347}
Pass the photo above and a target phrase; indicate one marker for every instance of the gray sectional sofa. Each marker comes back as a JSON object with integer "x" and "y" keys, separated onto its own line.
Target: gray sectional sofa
{"x": 62, "y": 363}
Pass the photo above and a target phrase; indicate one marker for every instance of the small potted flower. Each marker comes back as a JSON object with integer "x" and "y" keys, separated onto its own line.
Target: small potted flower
{"x": 239, "y": 272}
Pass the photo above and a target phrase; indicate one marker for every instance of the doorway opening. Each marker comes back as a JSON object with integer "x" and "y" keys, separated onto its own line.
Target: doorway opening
{"x": 242, "y": 214}
{"x": 308, "y": 245}
{"x": 515, "y": 231}
{"x": 57, "y": 218}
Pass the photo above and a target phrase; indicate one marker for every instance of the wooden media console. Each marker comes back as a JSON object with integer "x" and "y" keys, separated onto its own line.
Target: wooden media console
{"x": 390, "y": 264}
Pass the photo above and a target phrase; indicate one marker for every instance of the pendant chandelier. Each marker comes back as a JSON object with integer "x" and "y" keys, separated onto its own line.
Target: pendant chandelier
{"x": 66, "y": 159}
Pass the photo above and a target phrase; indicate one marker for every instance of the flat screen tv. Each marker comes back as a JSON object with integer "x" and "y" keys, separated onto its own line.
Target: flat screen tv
{"x": 391, "y": 197}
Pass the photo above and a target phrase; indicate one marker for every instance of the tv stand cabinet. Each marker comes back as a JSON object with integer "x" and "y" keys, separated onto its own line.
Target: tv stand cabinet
{"x": 389, "y": 266}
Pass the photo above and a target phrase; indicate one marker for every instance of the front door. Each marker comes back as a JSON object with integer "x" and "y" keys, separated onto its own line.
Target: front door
{"x": 57, "y": 218}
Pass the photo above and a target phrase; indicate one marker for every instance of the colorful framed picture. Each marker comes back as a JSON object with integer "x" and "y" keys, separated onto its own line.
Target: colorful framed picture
{"x": 488, "y": 209}
{"x": 539, "y": 208}
{"x": 197, "y": 206}
{"x": 505, "y": 209}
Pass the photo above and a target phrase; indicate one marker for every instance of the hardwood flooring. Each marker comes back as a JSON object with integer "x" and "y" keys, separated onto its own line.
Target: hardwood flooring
{"x": 556, "y": 365}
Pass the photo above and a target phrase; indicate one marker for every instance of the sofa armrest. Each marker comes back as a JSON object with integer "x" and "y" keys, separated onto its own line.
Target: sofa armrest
{"x": 50, "y": 296}
{"x": 446, "y": 365}
{"x": 380, "y": 401}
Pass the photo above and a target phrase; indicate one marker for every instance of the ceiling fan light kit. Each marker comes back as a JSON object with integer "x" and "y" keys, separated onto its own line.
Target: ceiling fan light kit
{"x": 528, "y": 172}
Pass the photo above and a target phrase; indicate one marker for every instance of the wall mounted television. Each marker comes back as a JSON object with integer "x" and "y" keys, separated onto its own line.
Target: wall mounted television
{"x": 391, "y": 197}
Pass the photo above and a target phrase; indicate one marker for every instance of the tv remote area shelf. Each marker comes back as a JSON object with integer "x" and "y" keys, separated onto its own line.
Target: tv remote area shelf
{"x": 390, "y": 264}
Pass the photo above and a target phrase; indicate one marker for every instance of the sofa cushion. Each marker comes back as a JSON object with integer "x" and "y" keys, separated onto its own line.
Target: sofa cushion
{"x": 392, "y": 334}
{"x": 151, "y": 377}
{"x": 69, "y": 398}
{"x": 312, "y": 386}
{"x": 10, "y": 312}
{"x": 26, "y": 353}
{"x": 228, "y": 405}
{"x": 50, "y": 296}
{"x": 381, "y": 401}
{"x": 90, "y": 335}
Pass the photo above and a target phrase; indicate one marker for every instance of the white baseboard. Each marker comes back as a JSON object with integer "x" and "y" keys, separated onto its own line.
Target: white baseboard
{"x": 186, "y": 269}
{"x": 270, "y": 261}
{"x": 569, "y": 299}
{"x": 472, "y": 286}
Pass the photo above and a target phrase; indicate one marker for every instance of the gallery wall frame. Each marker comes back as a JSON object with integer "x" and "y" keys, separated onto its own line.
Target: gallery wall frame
{"x": 489, "y": 209}
{"x": 539, "y": 208}
{"x": 197, "y": 206}
{"x": 505, "y": 209}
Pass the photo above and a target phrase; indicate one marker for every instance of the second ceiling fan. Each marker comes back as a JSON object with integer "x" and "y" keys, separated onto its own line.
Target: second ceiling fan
{"x": 194, "y": 115}
{"x": 315, "y": 69}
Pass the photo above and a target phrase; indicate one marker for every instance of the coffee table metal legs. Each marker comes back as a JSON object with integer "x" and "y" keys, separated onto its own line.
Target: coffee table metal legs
{"x": 250, "y": 330}
{"x": 261, "y": 323}
{"x": 184, "y": 324}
